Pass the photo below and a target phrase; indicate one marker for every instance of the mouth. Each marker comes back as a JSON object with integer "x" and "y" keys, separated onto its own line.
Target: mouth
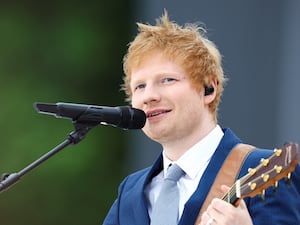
{"x": 156, "y": 113}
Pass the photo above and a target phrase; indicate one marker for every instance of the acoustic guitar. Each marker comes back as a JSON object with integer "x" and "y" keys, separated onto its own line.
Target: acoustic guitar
{"x": 279, "y": 165}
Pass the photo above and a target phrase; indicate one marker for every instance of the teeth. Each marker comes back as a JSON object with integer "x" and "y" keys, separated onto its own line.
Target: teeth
{"x": 155, "y": 114}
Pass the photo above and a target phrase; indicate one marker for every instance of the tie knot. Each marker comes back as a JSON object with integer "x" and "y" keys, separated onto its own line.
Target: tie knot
{"x": 174, "y": 173}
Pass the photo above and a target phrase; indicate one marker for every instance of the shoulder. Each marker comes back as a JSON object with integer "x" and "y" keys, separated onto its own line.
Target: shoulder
{"x": 254, "y": 157}
{"x": 135, "y": 178}
{"x": 141, "y": 177}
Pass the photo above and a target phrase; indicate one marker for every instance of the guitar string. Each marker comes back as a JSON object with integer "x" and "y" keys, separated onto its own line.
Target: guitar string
{"x": 233, "y": 191}
{"x": 245, "y": 186}
{"x": 242, "y": 180}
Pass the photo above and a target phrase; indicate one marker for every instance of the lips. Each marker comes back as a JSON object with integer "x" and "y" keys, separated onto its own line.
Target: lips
{"x": 156, "y": 113}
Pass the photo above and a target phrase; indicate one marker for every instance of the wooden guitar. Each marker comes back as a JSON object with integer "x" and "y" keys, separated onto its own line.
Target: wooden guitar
{"x": 279, "y": 165}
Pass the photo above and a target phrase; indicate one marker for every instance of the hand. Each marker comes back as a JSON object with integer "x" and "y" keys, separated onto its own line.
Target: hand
{"x": 222, "y": 213}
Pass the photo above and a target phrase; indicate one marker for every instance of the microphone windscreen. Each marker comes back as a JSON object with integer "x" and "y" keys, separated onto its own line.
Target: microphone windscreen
{"x": 132, "y": 118}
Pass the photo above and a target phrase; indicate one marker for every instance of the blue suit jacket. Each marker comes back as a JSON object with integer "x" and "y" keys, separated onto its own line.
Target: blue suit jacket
{"x": 281, "y": 208}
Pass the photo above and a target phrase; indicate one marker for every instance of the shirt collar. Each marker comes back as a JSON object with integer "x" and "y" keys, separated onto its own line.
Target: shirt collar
{"x": 198, "y": 155}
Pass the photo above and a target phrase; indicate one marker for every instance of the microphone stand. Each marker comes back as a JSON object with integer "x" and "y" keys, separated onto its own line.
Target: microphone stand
{"x": 7, "y": 180}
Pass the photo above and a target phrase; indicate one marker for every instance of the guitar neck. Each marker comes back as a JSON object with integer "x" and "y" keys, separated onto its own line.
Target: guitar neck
{"x": 233, "y": 195}
{"x": 266, "y": 174}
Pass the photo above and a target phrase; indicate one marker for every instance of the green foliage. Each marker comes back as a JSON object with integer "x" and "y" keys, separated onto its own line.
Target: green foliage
{"x": 60, "y": 52}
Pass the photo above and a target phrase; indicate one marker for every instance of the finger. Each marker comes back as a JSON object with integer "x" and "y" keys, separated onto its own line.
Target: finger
{"x": 220, "y": 210}
{"x": 205, "y": 218}
{"x": 225, "y": 188}
{"x": 242, "y": 205}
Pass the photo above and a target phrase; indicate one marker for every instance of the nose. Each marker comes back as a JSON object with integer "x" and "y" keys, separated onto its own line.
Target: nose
{"x": 151, "y": 94}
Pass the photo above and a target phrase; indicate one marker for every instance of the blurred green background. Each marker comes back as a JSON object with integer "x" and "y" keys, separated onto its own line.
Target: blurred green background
{"x": 60, "y": 51}
{"x": 66, "y": 51}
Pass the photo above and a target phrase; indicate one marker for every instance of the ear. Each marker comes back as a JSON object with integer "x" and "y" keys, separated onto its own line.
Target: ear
{"x": 210, "y": 92}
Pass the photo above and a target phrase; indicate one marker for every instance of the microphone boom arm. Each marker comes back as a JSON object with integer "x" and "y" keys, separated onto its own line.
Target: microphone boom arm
{"x": 7, "y": 180}
{"x": 84, "y": 118}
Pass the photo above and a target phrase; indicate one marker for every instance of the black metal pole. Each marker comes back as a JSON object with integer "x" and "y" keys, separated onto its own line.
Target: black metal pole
{"x": 7, "y": 180}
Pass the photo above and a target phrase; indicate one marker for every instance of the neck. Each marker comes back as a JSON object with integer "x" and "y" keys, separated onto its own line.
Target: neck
{"x": 176, "y": 148}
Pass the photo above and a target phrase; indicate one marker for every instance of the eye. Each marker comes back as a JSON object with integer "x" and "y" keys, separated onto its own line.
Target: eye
{"x": 168, "y": 80}
{"x": 140, "y": 86}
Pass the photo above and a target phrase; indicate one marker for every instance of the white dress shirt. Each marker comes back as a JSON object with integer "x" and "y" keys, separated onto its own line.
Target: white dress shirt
{"x": 193, "y": 163}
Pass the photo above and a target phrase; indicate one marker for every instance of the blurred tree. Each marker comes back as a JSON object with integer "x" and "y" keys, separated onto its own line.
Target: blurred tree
{"x": 60, "y": 51}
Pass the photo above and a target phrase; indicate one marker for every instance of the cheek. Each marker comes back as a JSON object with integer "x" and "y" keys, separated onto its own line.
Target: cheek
{"x": 135, "y": 101}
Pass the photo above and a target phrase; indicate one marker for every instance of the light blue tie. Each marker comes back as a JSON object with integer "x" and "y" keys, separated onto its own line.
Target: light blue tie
{"x": 165, "y": 210}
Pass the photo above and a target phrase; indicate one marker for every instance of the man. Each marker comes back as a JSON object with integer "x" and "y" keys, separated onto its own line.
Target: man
{"x": 174, "y": 75}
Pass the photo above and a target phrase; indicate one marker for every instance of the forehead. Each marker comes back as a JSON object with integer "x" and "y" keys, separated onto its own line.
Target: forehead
{"x": 156, "y": 64}
{"x": 137, "y": 59}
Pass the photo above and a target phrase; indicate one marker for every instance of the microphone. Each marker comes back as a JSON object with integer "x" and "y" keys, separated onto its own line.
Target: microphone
{"x": 124, "y": 117}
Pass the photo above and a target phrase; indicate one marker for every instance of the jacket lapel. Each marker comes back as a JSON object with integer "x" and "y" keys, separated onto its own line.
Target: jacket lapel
{"x": 140, "y": 202}
{"x": 193, "y": 205}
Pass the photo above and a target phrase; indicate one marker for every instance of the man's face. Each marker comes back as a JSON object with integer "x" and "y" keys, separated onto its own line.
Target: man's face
{"x": 175, "y": 110}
